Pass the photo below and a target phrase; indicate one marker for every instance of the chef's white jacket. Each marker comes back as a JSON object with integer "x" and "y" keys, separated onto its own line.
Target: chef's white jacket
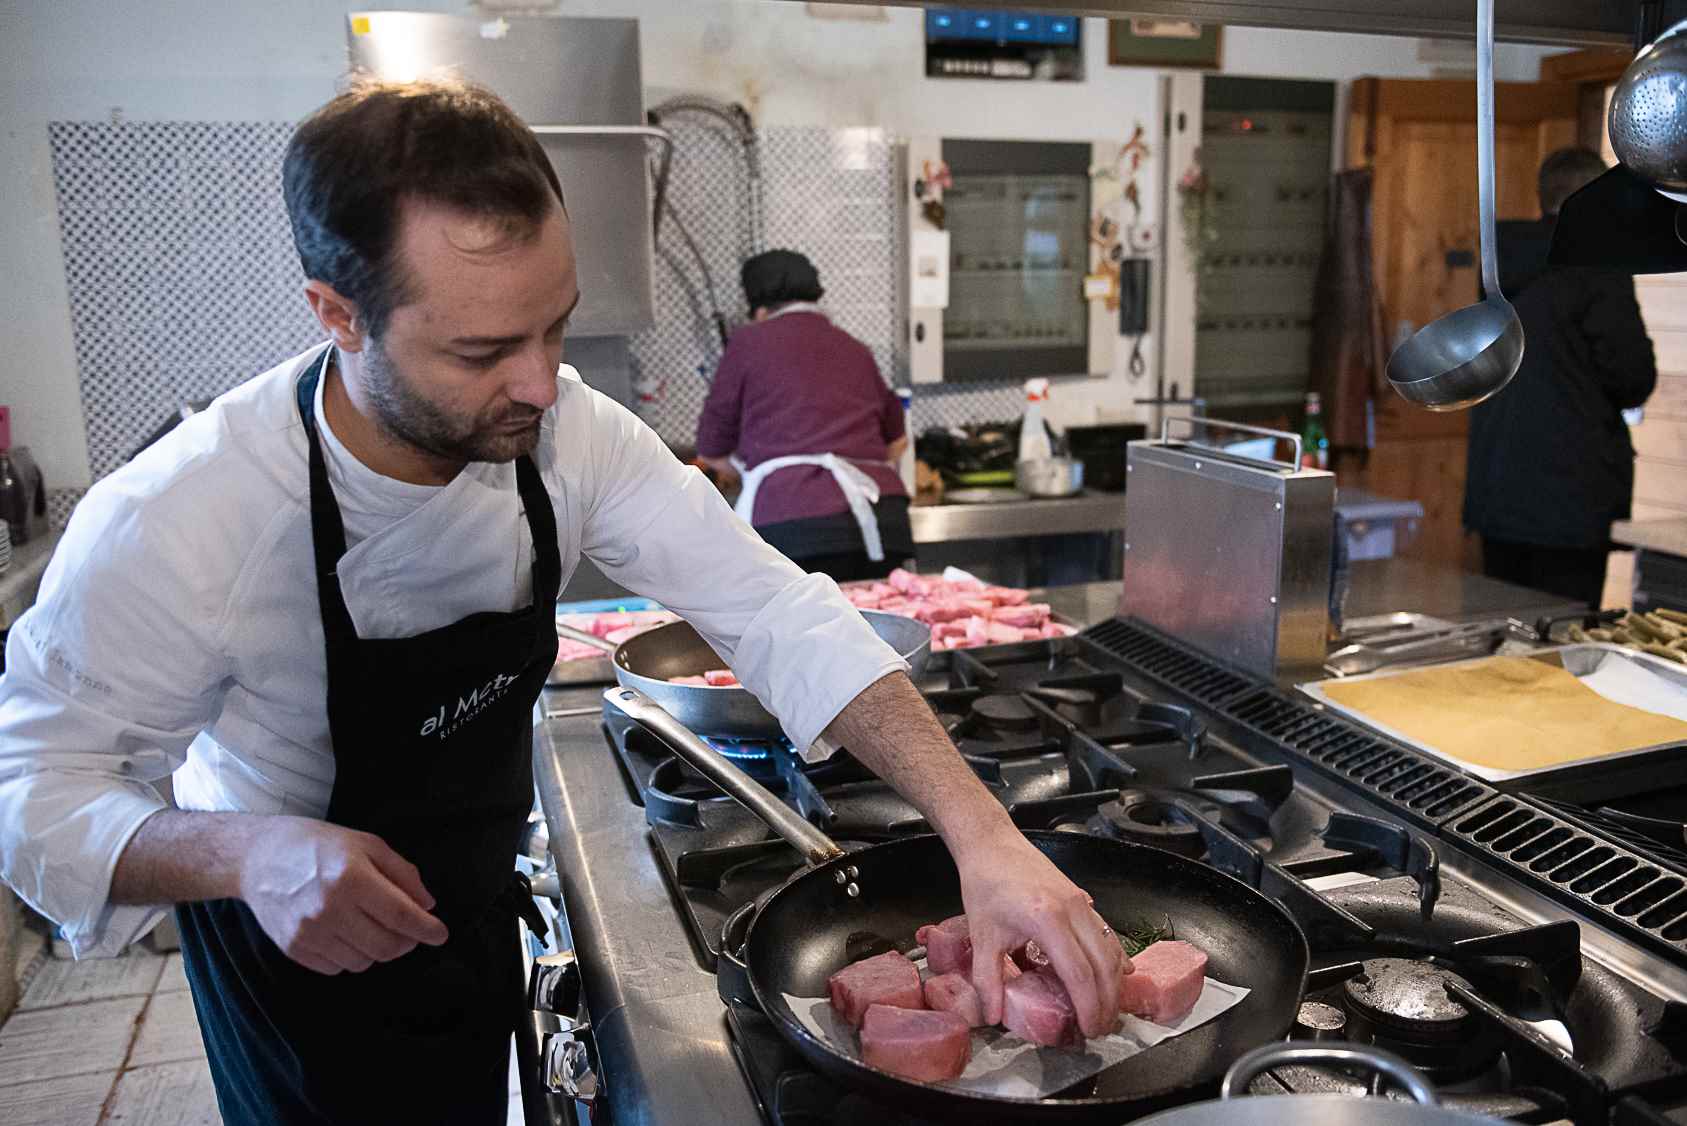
{"x": 177, "y": 629}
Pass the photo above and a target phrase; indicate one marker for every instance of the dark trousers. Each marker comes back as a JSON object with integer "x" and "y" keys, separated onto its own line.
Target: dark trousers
{"x": 1575, "y": 573}
{"x": 847, "y": 566}
{"x": 832, "y": 545}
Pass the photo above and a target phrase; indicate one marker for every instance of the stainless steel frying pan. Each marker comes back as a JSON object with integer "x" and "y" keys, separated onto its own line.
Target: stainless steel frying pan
{"x": 647, "y": 662}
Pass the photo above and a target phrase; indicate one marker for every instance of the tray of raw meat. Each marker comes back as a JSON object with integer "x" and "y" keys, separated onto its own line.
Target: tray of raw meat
{"x": 963, "y": 612}
{"x": 579, "y": 663}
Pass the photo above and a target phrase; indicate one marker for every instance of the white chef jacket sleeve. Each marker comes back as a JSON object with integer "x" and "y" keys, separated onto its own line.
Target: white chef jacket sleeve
{"x": 109, "y": 677}
{"x": 658, "y": 527}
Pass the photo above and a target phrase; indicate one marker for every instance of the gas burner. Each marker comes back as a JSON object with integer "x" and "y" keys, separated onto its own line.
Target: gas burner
{"x": 672, "y": 789}
{"x": 1088, "y": 700}
{"x": 1165, "y": 818}
{"x": 1405, "y": 1006}
{"x": 1078, "y": 705}
{"x": 1408, "y": 998}
{"x": 759, "y": 758}
{"x": 1318, "y": 1021}
{"x": 1004, "y": 712}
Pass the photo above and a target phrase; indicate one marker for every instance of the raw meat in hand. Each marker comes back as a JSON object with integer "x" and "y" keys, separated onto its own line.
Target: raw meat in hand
{"x": 948, "y": 945}
{"x": 1030, "y": 957}
{"x": 1036, "y": 1007}
{"x": 953, "y": 993}
{"x": 888, "y": 979}
{"x": 1166, "y": 983}
{"x": 916, "y": 1043}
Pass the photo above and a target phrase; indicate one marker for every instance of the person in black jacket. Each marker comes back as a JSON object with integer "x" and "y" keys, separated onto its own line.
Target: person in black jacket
{"x": 1550, "y": 462}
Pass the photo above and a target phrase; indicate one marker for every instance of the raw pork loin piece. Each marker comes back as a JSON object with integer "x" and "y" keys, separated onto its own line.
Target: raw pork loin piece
{"x": 953, "y": 993}
{"x": 1036, "y": 1007}
{"x": 948, "y": 945}
{"x": 713, "y": 678}
{"x": 888, "y": 979}
{"x": 1166, "y": 983}
{"x": 916, "y": 1043}
{"x": 1033, "y": 616}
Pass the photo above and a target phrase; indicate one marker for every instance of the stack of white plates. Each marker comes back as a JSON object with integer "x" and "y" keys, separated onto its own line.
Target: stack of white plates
{"x": 5, "y": 546}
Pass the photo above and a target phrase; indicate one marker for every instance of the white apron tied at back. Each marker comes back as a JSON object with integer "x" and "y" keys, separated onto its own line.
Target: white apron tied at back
{"x": 859, "y": 490}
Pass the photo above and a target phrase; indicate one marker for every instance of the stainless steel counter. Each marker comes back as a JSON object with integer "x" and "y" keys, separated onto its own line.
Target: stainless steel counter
{"x": 1381, "y": 586}
{"x": 664, "y": 1051}
{"x": 1669, "y": 536}
{"x": 1086, "y": 512}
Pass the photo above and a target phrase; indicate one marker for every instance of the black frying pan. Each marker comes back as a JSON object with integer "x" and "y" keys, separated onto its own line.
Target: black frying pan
{"x": 847, "y": 906}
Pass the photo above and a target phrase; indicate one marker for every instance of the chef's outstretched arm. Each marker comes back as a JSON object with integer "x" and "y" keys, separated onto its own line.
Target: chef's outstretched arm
{"x": 1011, "y": 891}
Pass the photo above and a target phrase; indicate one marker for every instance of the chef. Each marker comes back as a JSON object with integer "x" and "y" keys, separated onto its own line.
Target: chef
{"x": 324, "y": 608}
{"x": 798, "y": 408}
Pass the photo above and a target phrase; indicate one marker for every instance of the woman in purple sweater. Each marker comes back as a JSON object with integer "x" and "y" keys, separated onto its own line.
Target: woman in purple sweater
{"x": 798, "y": 409}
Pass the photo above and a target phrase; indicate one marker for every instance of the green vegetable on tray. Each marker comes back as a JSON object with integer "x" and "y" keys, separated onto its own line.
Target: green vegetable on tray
{"x": 1662, "y": 633}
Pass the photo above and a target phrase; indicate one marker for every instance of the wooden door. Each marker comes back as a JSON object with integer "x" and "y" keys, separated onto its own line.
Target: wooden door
{"x": 1419, "y": 137}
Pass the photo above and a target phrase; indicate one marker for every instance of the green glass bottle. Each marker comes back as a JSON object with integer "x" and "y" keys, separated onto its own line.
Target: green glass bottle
{"x": 1314, "y": 443}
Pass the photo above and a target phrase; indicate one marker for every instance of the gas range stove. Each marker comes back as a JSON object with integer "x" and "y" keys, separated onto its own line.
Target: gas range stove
{"x": 1457, "y": 926}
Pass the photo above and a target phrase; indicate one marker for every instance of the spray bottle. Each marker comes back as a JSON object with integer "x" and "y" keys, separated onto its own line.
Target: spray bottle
{"x": 1033, "y": 434}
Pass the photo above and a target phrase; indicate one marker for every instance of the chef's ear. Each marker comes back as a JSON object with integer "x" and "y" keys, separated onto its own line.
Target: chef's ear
{"x": 336, "y": 314}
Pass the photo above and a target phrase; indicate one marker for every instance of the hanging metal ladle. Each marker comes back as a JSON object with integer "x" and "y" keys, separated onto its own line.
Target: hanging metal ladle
{"x": 1467, "y": 355}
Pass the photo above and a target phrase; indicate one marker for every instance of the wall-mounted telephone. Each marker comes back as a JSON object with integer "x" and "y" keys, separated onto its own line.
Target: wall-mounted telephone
{"x": 1133, "y": 307}
{"x": 1133, "y": 296}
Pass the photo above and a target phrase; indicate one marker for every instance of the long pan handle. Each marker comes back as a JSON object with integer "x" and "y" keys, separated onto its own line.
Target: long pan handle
{"x": 816, "y": 847}
{"x": 585, "y": 638}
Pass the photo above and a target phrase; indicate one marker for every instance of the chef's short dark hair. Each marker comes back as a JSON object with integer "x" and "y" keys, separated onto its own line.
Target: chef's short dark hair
{"x": 351, "y": 165}
{"x": 1565, "y": 172}
{"x": 779, "y": 277}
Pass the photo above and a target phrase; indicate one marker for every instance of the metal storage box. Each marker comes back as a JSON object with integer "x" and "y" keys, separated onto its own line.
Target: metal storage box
{"x": 1231, "y": 554}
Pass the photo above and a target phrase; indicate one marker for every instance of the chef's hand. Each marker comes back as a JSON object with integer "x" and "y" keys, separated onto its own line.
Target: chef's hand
{"x": 1013, "y": 893}
{"x": 335, "y": 899}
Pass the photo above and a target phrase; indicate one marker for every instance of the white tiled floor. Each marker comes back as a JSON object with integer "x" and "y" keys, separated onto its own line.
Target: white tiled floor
{"x": 99, "y": 1043}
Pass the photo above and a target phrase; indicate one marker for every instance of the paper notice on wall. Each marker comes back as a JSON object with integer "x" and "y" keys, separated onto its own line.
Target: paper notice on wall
{"x": 928, "y": 265}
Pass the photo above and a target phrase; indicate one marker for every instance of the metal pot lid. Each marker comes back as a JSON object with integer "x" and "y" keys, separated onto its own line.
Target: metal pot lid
{"x": 1315, "y": 1110}
{"x": 1320, "y": 1109}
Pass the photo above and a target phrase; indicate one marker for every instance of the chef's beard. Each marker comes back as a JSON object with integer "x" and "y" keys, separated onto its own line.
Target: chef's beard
{"x": 411, "y": 417}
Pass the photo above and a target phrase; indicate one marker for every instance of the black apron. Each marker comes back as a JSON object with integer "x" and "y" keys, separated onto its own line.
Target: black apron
{"x": 432, "y": 739}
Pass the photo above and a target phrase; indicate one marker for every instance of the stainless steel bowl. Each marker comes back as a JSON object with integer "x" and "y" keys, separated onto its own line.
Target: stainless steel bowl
{"x": 1049, "y": 477}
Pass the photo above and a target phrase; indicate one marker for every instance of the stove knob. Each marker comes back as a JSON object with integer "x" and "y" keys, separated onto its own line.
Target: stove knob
{"x": 568, "y": 1067}
{"x": 555, "y": 986}
{"x": 1318, "y": 1021}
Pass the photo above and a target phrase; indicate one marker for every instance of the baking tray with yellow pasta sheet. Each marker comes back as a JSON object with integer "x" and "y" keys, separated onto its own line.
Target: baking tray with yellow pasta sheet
{"x": 1508, "y": 717}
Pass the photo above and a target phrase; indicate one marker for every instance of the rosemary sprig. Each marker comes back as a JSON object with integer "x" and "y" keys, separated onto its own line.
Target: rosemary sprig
{"x": 1140, "y": 935}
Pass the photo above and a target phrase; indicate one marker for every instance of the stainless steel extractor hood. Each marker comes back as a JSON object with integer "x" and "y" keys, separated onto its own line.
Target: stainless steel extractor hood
{"x": 1568, "y": 23}
{"x": 577, "y": 83}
